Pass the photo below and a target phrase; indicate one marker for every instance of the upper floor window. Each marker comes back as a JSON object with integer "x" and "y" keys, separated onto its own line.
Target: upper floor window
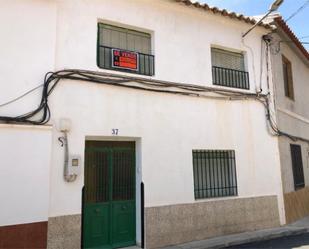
{"x": 124, "y": 50}
{"x": 228, "y": 69}
{"x": 287, "y": 78}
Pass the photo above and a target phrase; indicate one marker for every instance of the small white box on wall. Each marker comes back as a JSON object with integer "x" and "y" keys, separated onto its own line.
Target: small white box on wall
{"x": 74, "y": 165}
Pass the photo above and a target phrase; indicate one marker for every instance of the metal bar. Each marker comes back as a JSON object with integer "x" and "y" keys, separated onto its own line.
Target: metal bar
{"x": 235, "y": 174}
{"x": 101, "y": 179}
{"x": 142, "y": 215}
{"x": 211, "y": 160}
{"x": 221, "y": 175}
{"x": 202, "y": 170}
{"x": 124, "y": 50}
{"x": 230, "y": 77}
{"x": 83, "y": 218}
{"x": 199, "y": 175}
{"x": 145, "y": 66}
{"x": 257, "y": 23}
{"x": 214, "y": 173}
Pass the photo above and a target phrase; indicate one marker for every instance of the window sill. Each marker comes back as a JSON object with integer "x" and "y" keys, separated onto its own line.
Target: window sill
{"x": 290, "y": 98}
{"x": 220, "y": 198}
{"x": 124, "y": 73}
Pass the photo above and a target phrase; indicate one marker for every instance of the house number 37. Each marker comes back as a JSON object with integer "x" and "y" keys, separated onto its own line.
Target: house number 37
{"x": 115, "y": 132}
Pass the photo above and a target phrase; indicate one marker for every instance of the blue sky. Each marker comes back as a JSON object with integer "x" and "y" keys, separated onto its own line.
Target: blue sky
{"x": 299, "y": 23}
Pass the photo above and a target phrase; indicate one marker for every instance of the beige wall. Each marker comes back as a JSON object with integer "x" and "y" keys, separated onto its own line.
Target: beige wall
{"x": 292, "y": 115}
{"x": 286, "y": 163}
{"x": 296, "y": 204}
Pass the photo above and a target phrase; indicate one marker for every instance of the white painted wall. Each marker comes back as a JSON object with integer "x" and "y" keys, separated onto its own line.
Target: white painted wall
{"x": 27, "y": 48}
{"x": 25, "y": 153}
{"x": 168, "y": 126}
{"x": 182, "y": 36}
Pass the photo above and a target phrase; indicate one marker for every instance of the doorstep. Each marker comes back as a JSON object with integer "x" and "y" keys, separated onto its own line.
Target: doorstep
{"x": 130, "y": 247}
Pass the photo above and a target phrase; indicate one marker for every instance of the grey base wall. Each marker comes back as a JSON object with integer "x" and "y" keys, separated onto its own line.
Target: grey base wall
{"x": 64, "y": 232}
{"x": 175, "y": 224}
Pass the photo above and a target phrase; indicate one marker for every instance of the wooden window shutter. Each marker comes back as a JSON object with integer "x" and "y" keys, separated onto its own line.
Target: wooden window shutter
{"x": 288, "y": 78}
{"x": 297, "y": 166}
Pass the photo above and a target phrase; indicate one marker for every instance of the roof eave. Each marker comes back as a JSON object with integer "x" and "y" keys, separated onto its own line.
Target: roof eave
{"x": 225, "y": 13}
{"x": 284, "y": 28}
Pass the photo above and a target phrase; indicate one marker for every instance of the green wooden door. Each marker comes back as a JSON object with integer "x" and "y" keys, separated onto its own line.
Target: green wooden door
{"x": 109, "y": 197}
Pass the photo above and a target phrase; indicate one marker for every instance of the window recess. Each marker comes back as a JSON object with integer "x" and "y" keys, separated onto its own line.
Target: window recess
{"x": 287, "y": 78}
{"x": 124, "y": 50}
{"x": 214, "y": 173}
{"x": 297, "y": 166}
{"x": 228, "y": 69}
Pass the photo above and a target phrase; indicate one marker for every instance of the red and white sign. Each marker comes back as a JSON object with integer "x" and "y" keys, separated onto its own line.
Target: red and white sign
{"x": 124, "y": 59}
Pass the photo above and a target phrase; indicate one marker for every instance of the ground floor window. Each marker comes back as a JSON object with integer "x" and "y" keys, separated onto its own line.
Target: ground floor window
{"x": 297, "y": 166}
{"x": 214, "y": 173}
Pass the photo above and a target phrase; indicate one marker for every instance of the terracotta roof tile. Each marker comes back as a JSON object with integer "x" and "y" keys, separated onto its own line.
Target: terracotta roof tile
{"x": 279, "y": 22}
{"x": 223, "y": 12}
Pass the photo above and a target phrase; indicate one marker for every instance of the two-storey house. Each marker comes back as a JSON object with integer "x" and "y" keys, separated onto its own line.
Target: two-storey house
{"x": 150, "y": 127}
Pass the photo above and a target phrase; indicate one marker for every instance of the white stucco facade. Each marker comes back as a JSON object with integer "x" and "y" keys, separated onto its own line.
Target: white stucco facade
{"x": 25, "y": 173}
{"x": 54, "y": 35}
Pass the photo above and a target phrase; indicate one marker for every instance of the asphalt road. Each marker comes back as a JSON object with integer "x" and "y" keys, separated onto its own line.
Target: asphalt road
{"x": 297, "y": 241}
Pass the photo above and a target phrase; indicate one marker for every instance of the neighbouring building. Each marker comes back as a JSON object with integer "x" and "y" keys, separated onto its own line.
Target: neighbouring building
{"x": 152, "y": 131}
{"x": 290, "y": 72}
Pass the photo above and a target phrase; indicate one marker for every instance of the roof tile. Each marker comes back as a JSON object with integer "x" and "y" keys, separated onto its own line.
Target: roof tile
{"x": 223, "y": 12}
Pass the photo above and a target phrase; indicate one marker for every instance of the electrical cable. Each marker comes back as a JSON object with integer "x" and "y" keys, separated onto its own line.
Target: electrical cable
{"x": 297, "y": 11}
{"x": 21, "y": 96}
{"x": 41, "y": 115}
{"x": 271, "y": 120}
{"x": 303, "y": 37}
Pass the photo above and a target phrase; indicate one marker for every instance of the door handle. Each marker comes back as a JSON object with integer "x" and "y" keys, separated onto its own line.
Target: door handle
{"x": 124, "y": 207}
{"x": 97, "y": 210}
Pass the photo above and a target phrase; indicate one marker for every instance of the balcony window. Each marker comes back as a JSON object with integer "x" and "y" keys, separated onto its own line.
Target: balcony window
{"x": 228, "y": 69}
{"x": 125, "y": 50}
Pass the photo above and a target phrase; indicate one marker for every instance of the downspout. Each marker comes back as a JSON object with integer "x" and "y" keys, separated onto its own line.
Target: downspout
{"x": 67, "y": 177}
{"x": 65, "y": 144}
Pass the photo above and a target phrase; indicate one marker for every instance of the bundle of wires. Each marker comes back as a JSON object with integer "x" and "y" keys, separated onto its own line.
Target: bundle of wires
{"x": 41, "y": 115}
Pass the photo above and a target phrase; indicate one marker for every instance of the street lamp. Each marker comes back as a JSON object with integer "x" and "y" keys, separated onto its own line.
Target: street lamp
{"x": 275, "y": 5}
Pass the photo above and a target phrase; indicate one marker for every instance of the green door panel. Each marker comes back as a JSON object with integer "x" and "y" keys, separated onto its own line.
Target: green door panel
{"x": 96, "y": 225}
{"x": 123, "y": 228}
{"x": 109, "y": 202}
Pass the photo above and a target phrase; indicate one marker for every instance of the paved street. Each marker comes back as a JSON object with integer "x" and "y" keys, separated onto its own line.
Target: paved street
{"x": 297, "y": 241}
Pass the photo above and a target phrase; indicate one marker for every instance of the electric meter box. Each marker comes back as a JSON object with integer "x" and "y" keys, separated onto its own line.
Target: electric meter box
{"x": 74, "y": 165}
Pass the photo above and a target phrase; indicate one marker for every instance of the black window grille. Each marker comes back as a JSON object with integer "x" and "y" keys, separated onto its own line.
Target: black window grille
{"x": 297, "y": 166}
{"x": 214, "y": 173}
{"x": 228, "y": 69}
{"x": 112, "y": 37}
